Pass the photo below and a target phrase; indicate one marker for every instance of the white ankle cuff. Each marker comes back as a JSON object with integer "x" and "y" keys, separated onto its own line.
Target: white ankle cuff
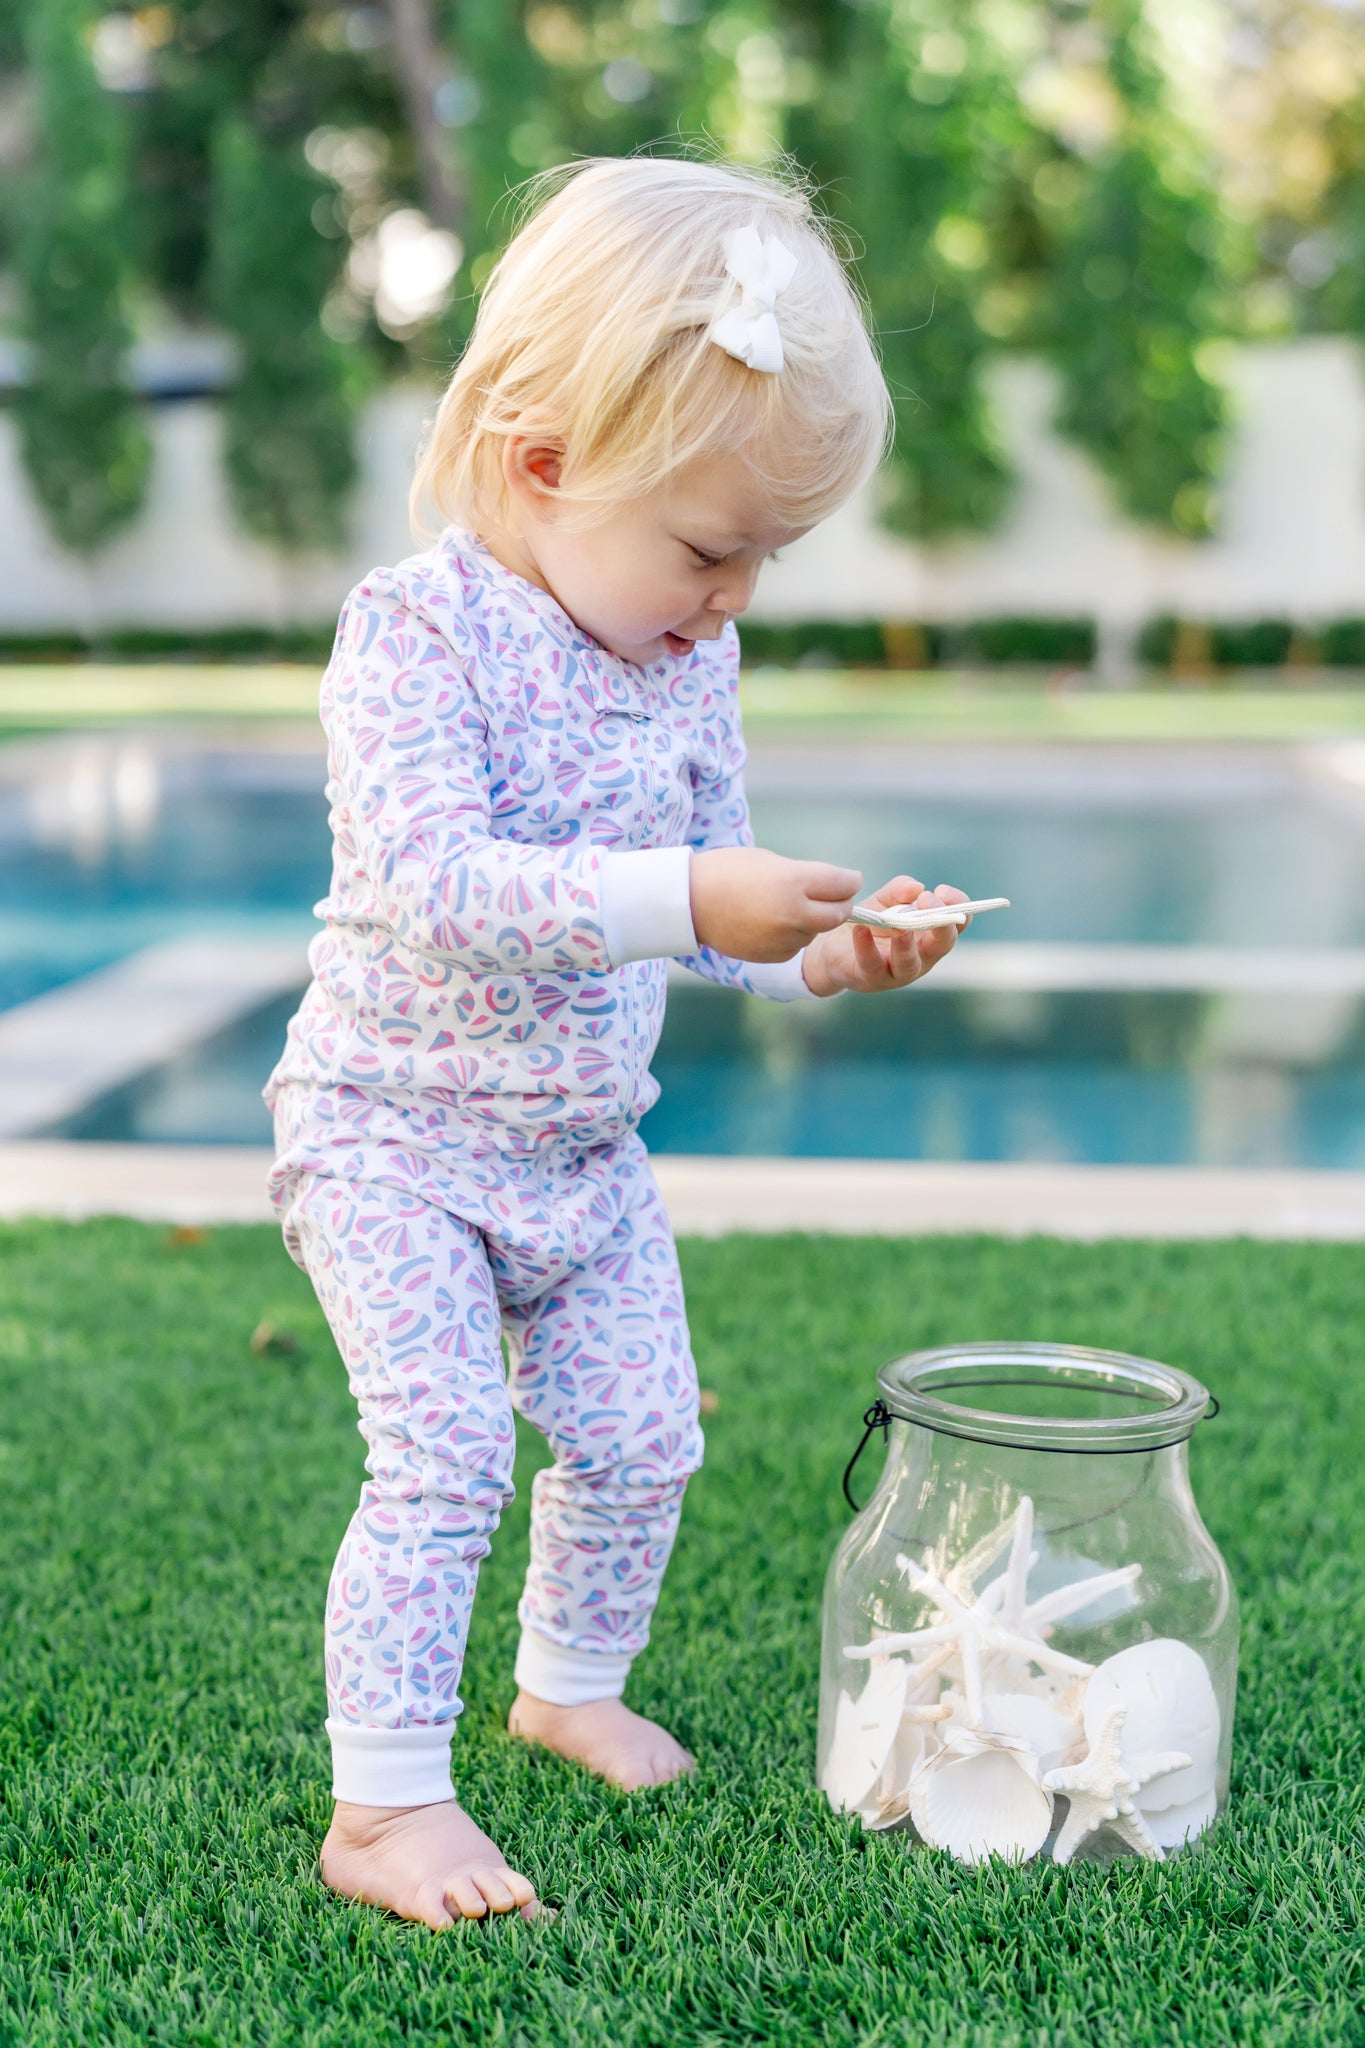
{"x": 390, "y": 1766}
{"x": 568, "y": 1678}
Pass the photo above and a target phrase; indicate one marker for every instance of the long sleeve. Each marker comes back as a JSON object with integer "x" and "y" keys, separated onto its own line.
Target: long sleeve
{"x": 720, "y": 817}
{"x": 410, "y": 789}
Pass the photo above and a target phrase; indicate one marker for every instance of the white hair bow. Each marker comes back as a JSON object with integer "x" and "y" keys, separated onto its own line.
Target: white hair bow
{"x": 761, "y": 269}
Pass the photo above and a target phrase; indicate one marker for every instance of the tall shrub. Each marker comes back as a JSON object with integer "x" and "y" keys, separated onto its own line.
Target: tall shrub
{"x": 84, "y": 443}
{"x": 1136, "y": 296}
{"x": 289, "y": 414}
{"x": 911, "y": 134}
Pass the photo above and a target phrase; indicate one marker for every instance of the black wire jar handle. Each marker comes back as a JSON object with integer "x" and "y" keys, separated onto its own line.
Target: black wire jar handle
{"x": 881, "y": 1416}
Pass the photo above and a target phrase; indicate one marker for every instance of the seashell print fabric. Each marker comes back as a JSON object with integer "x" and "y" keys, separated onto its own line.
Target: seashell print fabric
{"x": 483, "y": 754}
{"x": 585, "y": 1283}
{"x": 456, "y": 1110}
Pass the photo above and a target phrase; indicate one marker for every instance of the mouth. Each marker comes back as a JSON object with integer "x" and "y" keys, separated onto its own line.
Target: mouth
{"x": 676, "y": 644}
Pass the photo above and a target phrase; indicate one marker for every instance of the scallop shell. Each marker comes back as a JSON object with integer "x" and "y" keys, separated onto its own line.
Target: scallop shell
{"x": 979, "y": 1796}
{"x": 1165, "y": 1689}
{"x": 1176, "y": 1827}
{"x": 864, "y": 1730}
{"x": 1049, "y": 1732}
{"x": 912, "y": 1743}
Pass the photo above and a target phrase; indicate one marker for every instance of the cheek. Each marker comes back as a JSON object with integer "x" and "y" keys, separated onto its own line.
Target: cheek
{"x": 655, "y": 601}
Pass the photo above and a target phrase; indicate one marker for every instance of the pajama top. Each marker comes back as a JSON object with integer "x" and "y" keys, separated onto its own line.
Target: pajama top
{"x": 513, "y": 811}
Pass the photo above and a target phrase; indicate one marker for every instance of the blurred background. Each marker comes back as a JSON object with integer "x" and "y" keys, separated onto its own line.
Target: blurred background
{"x": 1094, "y": 639}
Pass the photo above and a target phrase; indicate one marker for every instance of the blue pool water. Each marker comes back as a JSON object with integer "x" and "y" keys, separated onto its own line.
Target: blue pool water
{"x": 1245, "y": 854}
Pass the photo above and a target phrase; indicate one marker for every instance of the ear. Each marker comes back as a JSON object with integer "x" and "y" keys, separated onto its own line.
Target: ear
{"x": 531, "y": 466}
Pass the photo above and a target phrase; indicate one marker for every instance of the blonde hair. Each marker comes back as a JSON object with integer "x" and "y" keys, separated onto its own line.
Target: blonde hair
{"x": 595, "y": 319}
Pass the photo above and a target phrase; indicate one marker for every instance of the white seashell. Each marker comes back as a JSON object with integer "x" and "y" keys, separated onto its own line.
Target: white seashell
{"x": 1167, "y": 1696}
{"x": 1049, "y": 1732}
{"x": 1091, "y": 1594}
{"x": 979, "y": 1796}
{"x": 880, "y": 1818}
{"x": 1175, "y": 1827}
{"x": 864, "y": 1730}
{"x": 914, "y": 1741}
{"x": 899, "y": 917}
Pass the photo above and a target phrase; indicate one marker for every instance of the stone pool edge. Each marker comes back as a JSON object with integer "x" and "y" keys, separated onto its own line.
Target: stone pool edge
{"x": 710, "y": 1197}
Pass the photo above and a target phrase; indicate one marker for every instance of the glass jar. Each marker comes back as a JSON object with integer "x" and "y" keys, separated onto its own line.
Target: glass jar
{"x": 1030, "y": 1638}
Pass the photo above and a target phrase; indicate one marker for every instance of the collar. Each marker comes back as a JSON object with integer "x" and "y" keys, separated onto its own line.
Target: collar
{"x": 618, "y": 685}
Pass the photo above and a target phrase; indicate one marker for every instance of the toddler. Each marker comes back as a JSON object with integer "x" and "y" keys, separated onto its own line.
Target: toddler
{"x": 535, "y": 774}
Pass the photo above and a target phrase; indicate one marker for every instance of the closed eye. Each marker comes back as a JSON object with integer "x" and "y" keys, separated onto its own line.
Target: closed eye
{"x": 708, "y": 561}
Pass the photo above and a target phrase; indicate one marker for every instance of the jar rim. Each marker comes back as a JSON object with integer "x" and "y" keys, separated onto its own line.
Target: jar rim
{"x": 1172, "y": 1402}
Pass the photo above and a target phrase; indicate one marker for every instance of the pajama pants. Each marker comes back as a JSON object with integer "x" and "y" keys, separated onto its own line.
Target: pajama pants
{"x": 418, "y": 1298}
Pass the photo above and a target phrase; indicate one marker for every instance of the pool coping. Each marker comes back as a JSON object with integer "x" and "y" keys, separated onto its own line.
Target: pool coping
{"x": 713, "y": 1197}
{"x": 75, "y": 1043}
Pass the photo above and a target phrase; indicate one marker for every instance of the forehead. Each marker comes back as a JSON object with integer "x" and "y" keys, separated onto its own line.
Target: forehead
{"x": 718, "y": 498}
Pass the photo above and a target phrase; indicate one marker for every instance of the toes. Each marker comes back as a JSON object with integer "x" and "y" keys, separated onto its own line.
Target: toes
{"x": 495, "y": 1888}
{"x": 522, "y": 1890}
{"x": 431, "y": 1908}
{"x": 672, "y": 1763}
{"x": 465, "y": 1896}
{"x": 490, "y": 1888}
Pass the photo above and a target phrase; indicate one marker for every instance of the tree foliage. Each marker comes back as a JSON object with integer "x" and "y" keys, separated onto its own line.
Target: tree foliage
{"x": 289, "y": 444}
{"x": 912, "y": 138}
{"x": 1135, "y": 300}
{"x": 247, "y": 177}
{"x": 84, "y": 442}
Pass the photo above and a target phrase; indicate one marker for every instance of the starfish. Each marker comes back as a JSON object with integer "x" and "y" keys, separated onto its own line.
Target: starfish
{"x": 1000, "y": 1620}
{"x": 1101, "y": 1791}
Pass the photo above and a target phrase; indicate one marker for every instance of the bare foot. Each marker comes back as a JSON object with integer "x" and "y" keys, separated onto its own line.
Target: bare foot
{"x": 426, "y": 1862}
{"x": 606, "y": 1736}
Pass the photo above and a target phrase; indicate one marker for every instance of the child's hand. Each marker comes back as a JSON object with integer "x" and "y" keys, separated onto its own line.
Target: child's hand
{"x": 855, "y": 958}
{"x": 756, "y": 905}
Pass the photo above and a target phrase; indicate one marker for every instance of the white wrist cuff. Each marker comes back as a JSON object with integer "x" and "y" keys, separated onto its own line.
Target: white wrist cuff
{"x": 568, "y": 1678}
{"x": 780, "y": 981}
{"x": 647, "y": 904}
{"x": 390, "y": 1766}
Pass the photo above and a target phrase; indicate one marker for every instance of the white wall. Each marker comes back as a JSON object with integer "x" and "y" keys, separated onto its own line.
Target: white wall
{"x": 1292, "y": 541}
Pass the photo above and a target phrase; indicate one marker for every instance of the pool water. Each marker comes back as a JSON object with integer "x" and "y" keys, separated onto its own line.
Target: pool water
{"x": 1246, "y": 853}
{"x": 1103, "y": 1078}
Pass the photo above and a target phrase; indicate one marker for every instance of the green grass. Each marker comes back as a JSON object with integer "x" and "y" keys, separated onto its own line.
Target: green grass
{"x": 936, "y": 704}
{"x": 171, "y": 1506}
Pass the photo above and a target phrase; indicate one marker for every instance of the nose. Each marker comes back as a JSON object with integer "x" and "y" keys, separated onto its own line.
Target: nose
{"x": 733, "y": 593}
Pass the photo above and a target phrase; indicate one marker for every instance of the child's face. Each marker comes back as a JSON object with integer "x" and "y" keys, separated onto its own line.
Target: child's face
{"x": 657, "y": 574}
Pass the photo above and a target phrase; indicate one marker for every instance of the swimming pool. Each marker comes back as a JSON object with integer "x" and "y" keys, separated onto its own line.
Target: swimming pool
{"x": 1250, "y": 856}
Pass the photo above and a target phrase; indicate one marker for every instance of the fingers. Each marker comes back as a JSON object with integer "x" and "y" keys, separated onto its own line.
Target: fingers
{"x": 900, "y": 889}
{"x": 823, "y": 917}
{"x": 829, "y": 893}
{"x": 824, "y": 883}
{"x": 868, "y": 954}
{"x": 886, "y": 960}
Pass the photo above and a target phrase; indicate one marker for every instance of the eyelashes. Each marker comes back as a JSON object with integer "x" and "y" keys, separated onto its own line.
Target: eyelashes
{"x": 715, "y": 561}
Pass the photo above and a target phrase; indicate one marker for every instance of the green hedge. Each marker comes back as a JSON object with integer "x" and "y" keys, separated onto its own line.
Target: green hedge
{"x": 857, "y": 643}
{"x": 152, "y": 644}
{"x": 1194, "y": 644}
{"x": 1342, "y": 644}
{"x": 1166, "y": 642}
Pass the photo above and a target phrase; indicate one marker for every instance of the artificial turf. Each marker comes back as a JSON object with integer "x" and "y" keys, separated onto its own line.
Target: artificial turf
{"x": 172, "y": 1502}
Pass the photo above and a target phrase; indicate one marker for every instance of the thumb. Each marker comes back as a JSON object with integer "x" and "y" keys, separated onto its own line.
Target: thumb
{"x": 824, "y": 883}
